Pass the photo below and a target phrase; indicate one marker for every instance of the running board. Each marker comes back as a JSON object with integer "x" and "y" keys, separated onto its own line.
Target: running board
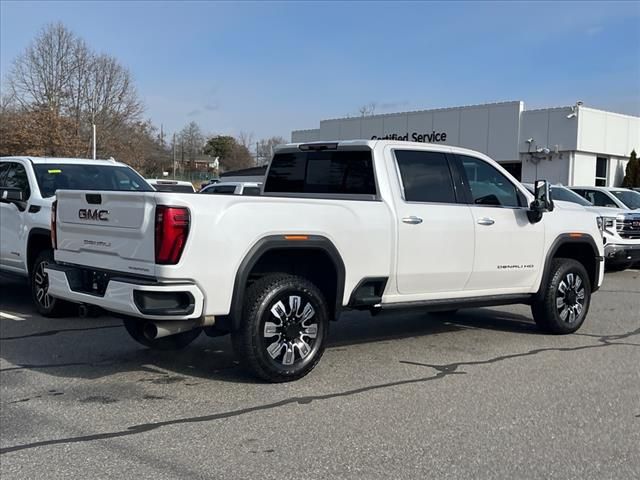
{"x": 458, "y": 303}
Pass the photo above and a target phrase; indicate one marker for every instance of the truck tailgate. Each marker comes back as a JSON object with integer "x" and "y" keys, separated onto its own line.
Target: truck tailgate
{"x": 106, "y": 230}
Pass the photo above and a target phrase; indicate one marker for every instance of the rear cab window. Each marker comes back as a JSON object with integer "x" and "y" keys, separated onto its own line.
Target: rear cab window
{"x": 347, "y": 174}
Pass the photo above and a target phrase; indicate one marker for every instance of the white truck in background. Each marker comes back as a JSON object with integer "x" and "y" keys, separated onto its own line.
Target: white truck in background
{"x": 621, "y": 227}
{"x": 340, "y": 225}
{"x": 27, "y": 190}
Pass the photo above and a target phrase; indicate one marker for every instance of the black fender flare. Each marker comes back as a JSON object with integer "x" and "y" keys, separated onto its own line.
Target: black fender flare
{"x": 564, "y": 239}
{"x": 35, "y": 232}
{"x": 280, "y": 242}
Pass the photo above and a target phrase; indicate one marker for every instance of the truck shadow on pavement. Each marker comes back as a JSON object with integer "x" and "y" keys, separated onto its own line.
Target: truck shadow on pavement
{"x": 100, "y": 347}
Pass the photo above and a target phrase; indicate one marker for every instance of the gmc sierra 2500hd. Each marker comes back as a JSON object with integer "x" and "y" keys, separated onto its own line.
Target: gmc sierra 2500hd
{"x": 346, "y": 225}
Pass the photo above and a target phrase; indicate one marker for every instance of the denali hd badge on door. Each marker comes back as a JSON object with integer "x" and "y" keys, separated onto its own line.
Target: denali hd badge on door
{"x": 93, "y": 214}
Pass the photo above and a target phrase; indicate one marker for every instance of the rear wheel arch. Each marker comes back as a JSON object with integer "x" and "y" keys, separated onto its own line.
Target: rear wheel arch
{"x": 315, "y": 258}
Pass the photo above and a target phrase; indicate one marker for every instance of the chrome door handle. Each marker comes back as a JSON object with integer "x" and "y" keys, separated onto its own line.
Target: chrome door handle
{"x": 412, "y": 220}
{"x": 486, "y": 221}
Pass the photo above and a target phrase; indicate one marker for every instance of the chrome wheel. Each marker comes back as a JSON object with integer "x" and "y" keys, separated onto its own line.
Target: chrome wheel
{"x": 290, "y": 330}
{"x": 41, "y": 284}
{"x": 570, "y": 298}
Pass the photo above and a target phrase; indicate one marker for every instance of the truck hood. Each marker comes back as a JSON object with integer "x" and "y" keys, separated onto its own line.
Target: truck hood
{"x": 572, "y": 206}
{"x": 607, "y": 211}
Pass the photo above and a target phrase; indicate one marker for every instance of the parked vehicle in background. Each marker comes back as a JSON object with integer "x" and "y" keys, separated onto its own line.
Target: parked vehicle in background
{"x": 27, "y": 190}
{"x": 369, "y": 225}
{"x": 610, "y": 197}
{"x": 233, "y": 188}
{"x": 165, "y": 185}
{"x": 209, "y": 182}
{"x": 621, "y": 228}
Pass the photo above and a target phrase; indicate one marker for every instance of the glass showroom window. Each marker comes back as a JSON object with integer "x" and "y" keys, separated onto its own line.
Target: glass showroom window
{"x": 602, "y": 165}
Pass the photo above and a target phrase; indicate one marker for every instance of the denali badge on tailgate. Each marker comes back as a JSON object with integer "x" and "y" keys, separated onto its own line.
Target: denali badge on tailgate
{"x": 93, "y": 214}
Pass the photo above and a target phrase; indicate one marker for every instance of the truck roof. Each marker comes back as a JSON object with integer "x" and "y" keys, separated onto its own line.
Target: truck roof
{"x": 57, "y": 160}
{"x": 373, "y": 143}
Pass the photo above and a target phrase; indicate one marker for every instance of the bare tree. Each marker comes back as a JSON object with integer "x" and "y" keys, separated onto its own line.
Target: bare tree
{"x": 367, "y": 110}
{"x": 58, "y": 87}
{"x": 265, "y": 147}
{"x": 110, "y": 96}
{"x": 44, "y": 73}
{"x": 245, "y": 139}
{"x": 191, "y": 142}
{"x": 58, "y": 72}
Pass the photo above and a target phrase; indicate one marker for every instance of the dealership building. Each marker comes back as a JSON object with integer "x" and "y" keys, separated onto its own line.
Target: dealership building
{"x": 575, "y": 145}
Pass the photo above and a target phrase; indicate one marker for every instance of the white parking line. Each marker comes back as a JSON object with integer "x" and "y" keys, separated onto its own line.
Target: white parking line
{"x": 9, "y": 316}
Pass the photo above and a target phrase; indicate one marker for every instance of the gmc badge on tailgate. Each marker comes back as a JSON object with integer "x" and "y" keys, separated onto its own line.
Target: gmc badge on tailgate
{"x": 93, "y": 214}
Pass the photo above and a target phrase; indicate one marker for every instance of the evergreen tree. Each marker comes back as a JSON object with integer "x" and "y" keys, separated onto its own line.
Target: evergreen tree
{"x": 632, "y": 172}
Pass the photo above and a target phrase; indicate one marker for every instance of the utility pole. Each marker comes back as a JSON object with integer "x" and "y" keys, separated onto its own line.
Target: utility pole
{"x": 94, "y": 140}
{"x": 174, "y": 156}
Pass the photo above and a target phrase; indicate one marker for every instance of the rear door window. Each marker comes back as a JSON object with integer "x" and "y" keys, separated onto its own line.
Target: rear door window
{"x": 426, "y": 176}
{"x": 339, "y": 172}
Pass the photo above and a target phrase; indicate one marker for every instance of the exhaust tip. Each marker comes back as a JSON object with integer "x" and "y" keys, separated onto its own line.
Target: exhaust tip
{"x": 150, "y": 331}
{"x": 83, "y": 311}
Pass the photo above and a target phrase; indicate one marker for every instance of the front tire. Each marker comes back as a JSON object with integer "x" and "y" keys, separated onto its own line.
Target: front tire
{"x": 46, "y": 305}
{"x": 564, "y": 303}
{"x": 284, "y": 326}
{"x": 135, "y": 328}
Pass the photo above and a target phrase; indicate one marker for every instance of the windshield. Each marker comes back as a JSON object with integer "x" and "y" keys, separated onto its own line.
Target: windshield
{"x": 629, "y": 198}
{"x": 566, "y": 195}
{"x": 52, "y": 177}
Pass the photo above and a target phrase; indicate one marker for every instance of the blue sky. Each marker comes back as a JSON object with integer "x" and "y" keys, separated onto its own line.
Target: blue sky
{"x": 270, "y": 67}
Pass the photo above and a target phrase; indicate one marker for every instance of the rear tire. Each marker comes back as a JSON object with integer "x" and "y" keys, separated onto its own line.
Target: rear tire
{"x": 172, "y": 342}
{"x": 45, "y": 304}
{"x": 564, "y": 303}
{"x": 284, "y": 325}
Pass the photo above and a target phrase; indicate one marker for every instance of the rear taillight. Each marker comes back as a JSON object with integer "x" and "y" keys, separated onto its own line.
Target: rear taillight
{"x": 172, "y": 229}
{"x": 54, "y": 213}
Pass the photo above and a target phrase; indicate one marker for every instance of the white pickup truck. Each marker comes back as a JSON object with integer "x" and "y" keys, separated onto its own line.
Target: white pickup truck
{"x": 347, "y": 225}
{"x": 27, "y": 190}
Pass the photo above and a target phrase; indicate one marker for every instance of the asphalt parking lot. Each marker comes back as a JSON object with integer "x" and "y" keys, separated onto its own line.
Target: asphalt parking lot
{"x": 480, "y": 394}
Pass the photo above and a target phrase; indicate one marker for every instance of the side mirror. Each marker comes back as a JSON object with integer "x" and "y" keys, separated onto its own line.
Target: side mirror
{"x": 542, "y": 202}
